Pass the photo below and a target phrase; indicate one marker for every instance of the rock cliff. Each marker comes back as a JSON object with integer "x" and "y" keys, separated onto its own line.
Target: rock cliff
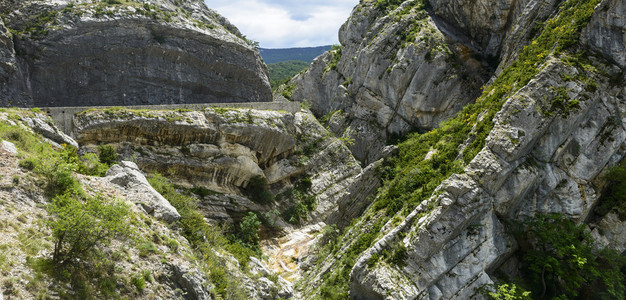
{"x": 396, "y": 71}
{"x": 548, "y": 125}
{"x": 81, "y": 53}
{"x": 520, "y": 173}
{"x": 228, "y": 150}
{"x": 517, "y": 111}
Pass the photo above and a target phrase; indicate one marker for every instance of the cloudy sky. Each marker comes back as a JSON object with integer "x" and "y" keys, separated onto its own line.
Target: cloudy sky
{"x": 286, "y": 24}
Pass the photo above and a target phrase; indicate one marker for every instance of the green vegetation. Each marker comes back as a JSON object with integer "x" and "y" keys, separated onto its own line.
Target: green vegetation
{"x": 336, "y": 283}
{"x": 385, "y": 5}
{"x": 37, "y": 26}
{"x": 614, "y": 195}
{"x": 106, "y": 154}
{"x": 287, "y": 91}
{"x": 139, "y": 282}
{"x": 327, "y": 117}
{"x": 258, "y": 190}
{"x": 82, "y": 225}
{"x": 206, "y": 240}
{"x": 509, "y": 291}
{"x": 282, "y": 71}
{"x": 560, "y": 262}
{"x": 249, "y": 229}
{"x": 306, "y": 54}
{"x": 303, "y": 201}
{"x": 335, "y": 50}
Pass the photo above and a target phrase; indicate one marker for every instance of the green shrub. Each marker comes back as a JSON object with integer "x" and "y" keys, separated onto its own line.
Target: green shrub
{"x": 335, "y": 50}
{"x": 288, "y": 91}
{"x": 106, "y": 154}
{"x": 303, "y": 201}
{"x": 249, "y": 229}
{"x": 58, "y": 173}
{"x": 81, "y": 226}
{"x": 90, "y": 164}
{"x": 258, "y": 190}
{"x": 559, "y": 258}
{"x": 205, "y": 239}
{"x": 139, "y": 282}
{"x": 510, "y": 291}
{"x": 614, "y": 195}
{"x": 146, "y": 249}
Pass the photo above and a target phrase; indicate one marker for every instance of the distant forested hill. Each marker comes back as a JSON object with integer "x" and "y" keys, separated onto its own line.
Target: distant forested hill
{"x": 281, "y": 71}
{"x": 271, "y": 56}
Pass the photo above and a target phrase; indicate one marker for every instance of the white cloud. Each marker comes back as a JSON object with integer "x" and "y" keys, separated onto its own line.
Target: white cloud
{"x": 284, "y": 24}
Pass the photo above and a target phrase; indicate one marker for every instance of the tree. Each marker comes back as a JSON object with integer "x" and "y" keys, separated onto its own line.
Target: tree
{"x": 258, "y": 190}
{"x": 560, "y": 259}
{"x": 107, "y": 154}
{"x": 249, "y": 227}
{"x": 508, "y": 291}
{"x": 82, "y": 225}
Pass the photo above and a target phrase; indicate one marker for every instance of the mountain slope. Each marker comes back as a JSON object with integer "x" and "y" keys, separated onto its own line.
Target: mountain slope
{"x": 284, "y": 70}
{"x": 306, "y": 54}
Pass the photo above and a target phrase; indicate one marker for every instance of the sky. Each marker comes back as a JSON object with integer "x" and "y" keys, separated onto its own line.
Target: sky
{"x": 286, "y": 24}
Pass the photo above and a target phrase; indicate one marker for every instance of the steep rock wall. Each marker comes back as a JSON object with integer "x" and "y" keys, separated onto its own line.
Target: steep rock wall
{"x": 606, "y": 31}
{"x": 552, "y": 122}
{"x": 534, "y": 162}
{"x": 396, "y": 71}
{"x": 81, "y": 53}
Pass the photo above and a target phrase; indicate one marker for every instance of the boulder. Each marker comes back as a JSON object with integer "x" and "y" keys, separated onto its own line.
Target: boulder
{"x": 190, "y": 281}
{"x": 8, "y": 148}
{"x": 127, "y": 175}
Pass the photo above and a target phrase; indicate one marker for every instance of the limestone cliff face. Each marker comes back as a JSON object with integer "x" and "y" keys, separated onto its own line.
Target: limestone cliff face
{"x": 396, "y": 71}
{"x": 169, "y": 269}
{"x": 407, "y": 68}
{"x": 224, "y": 149}
{"x": 532, "y": 163}
{"x": 546, "y": 149}
{"x": 605, "y": 32}
{"x": 75, "y": 53}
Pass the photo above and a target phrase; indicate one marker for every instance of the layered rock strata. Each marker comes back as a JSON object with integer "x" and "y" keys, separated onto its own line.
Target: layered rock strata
{"x": 223, "y": 150}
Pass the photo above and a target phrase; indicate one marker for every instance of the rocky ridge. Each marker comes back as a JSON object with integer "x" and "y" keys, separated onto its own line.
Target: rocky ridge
{"x": 81, "y": 53}
{"x": 515, "y": 177}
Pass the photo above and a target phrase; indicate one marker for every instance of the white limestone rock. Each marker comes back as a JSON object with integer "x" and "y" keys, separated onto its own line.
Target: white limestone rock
{"x": 134, "y": 184}
{"x": 8, "y": 148}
